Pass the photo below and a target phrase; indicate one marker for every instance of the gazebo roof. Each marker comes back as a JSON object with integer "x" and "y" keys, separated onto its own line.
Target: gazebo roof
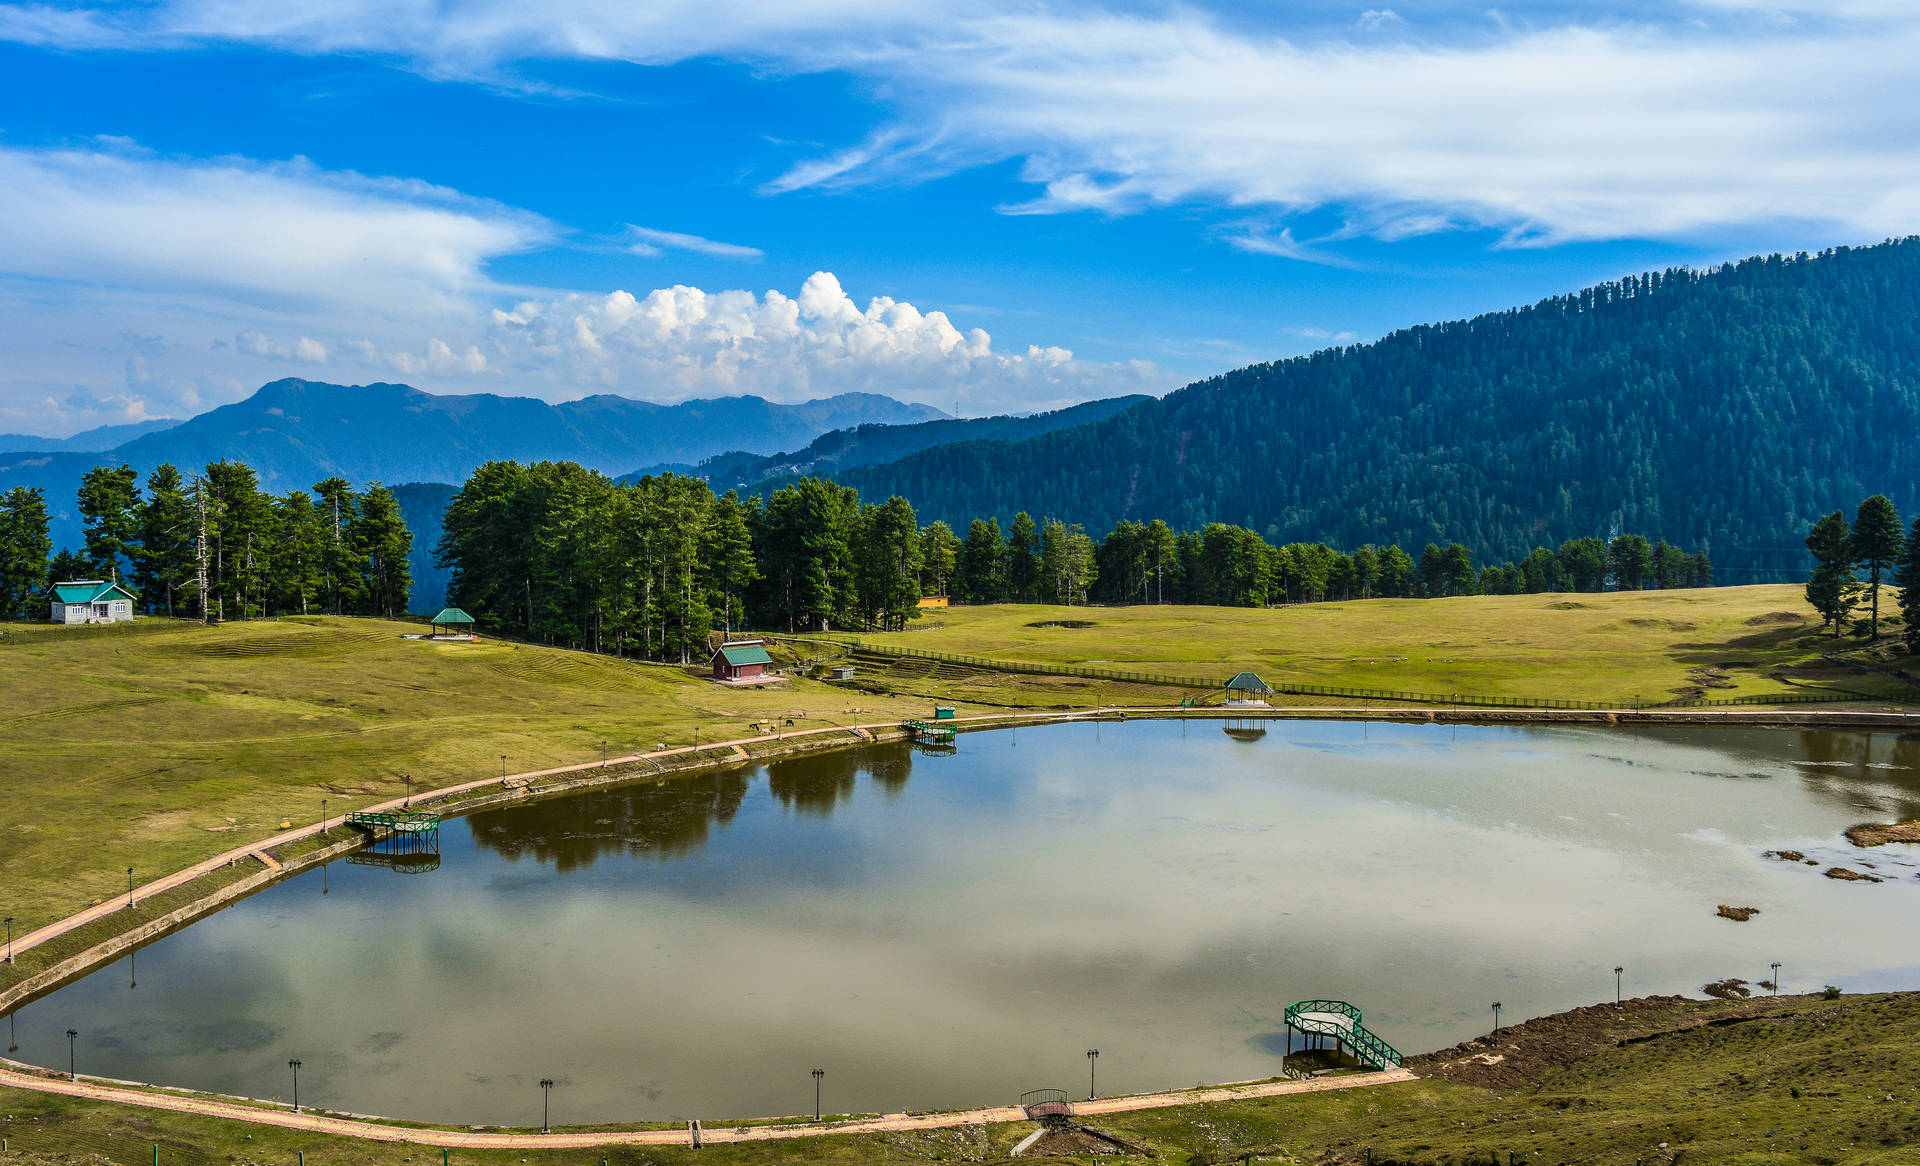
{"x": 451, "y": 615}
{"x": 1247, "y": 682}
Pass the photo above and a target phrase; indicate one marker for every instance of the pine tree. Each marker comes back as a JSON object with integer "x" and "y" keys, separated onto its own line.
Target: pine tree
{"x": 1908, "y": 579}
{"x": 1024, "y": 568}
{"x": 381, "y": 540}
{"x": 1877, "y": 541}
{"x": 24, "y": 547}
{"x": 1832, "y": 588}
{"x": 109, "y": 503}
{"x": 163, "y": 569}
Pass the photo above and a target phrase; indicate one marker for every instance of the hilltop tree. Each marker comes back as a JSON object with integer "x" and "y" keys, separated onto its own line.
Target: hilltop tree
{"x": 1024, "y": 569}
{"x": 164, "y": 567}
{"x": 382, "y": 542}
{"x": 1630, "y": 561}
{"x": 1908, "y": 579}
{"x": 939, "y": 555}
{"x": 109, "y": 503}
{"x": 727, "y": 552}
{"x": 1877, "y": 541}
{"x": 24, "y": 547}
{"x": 297, "y": 549}
{"x": 1832, "y": 588}
{"x": 983, "y": 562}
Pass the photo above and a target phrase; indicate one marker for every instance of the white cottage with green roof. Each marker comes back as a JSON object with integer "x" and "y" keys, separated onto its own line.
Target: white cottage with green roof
{"x": 90, "y": 601}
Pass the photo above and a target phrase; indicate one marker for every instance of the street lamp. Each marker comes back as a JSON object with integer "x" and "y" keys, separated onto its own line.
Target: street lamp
{"x": 1496, "y": 1018}
{"x": 817, "y": 1074}
{"x": 603, "y": 751}
{"x": 294, "y": 1064}
{"x": 546, "y": 1091}
{"x": 1776, "y": 977}
{"x": 9, "y": 939}
{"x": 409, "y": 778}
{"x": 323, "y": 816}
{"x": 1092, "y": 1056}
{"x": 1616, "y": 984}
{"x": 503, "y": 767}
{"x": 129, "y": 888}
{"x": 71, "y": 1035}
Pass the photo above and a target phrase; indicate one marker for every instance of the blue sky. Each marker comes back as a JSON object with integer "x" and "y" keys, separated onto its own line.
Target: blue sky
{"x": 994, "y": 206}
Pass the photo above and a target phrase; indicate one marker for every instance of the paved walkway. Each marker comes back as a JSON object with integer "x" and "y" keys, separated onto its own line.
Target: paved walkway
{"x": 377, "y": 1131}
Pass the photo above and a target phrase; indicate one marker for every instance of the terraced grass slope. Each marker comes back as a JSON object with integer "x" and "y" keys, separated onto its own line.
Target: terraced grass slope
{"x": 1646, "y": 645}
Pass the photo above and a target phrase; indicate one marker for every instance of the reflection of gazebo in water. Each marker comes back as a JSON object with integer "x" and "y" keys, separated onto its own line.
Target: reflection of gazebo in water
{"x": 452, "y": 624}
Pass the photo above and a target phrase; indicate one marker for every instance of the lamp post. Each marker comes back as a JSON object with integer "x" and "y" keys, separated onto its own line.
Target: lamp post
{"x": 1092, "y": 1056}
{"x": 546, "y": 1091}
{"x": 817, "y": 1074}
{"x": 503, "y": 767}
{"x": 323, "y": 817}
{"x": 9, "y": 939}
{"x": 71, "y": 1036}
{"x": 129, "y": 888}
{"x": 409, "y": 778}
{"x": 603, "y": 751}
{"x": 294, "y": 1064}
{"x": 1496, "y": 1018}
{"x": 1616, "y": 984}
{"x": 1776, "y": 977}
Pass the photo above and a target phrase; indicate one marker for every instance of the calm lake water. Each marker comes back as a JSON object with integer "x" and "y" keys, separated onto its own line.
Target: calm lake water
{"x": 951, "y": 930}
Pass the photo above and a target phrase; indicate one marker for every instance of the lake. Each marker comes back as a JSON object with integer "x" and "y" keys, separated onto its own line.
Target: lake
{"x": 941, "y": 931}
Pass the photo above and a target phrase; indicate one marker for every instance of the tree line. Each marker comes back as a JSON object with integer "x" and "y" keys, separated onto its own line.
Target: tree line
{"x": 213, "y": 546}
{"x": 1875, "y": 542}
{"x": 652, "y": 567}
{"x": 1761, "y": 385}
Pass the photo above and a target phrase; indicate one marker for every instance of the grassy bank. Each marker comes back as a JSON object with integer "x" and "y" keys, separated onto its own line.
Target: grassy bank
{"x": 1648, "y": 645}
{"x": 159, "y": 745}
{"x": 1661, "y": 1080}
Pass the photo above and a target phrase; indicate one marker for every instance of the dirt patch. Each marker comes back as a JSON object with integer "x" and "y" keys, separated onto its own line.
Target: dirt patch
{"x": 1737, "y": 914}
{"x": 1879, "y": 834}
{"x": 1774, "y": 617}
{"x": 1567, "y": 605}
{"x": 1065, "y": 623}
{"x": 1069, "y": 1140}
{"x": 1711, "y": 676}
{"x": 1674, "y": 625}
{"x": 1528, "y": 1051}
{"x": 1848, "y": 876}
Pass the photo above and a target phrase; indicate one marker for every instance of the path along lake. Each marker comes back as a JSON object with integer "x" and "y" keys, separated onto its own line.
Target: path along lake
{"x": 944, "y": 931}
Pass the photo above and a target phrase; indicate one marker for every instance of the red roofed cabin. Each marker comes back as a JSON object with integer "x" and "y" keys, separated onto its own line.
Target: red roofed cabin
{"x": 741, "y": 660}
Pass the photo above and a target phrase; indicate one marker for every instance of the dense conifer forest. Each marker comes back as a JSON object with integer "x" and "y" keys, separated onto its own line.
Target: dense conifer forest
{"x": 213, "y": 546}
{"x": 652, "y": 567}
{"x": 1725, "y": 409}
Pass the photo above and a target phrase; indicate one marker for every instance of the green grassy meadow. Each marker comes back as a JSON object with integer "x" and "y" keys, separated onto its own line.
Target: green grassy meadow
{"x": 1645, "y": 645}
{"x": 158, "y": 744}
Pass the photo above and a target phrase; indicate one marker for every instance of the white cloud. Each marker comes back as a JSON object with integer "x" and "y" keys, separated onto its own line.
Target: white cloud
{"x": 682, "y": 341}
{"x": 647, "y": 241}
{"x": 240, "y": 228}
{"x": 1631, "y": 121}
{"x": 305, "y": 350}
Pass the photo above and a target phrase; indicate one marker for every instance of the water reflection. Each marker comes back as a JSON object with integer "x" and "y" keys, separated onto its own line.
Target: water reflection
{"x": 668, "y": 820}
{"x": 692, "y": 948}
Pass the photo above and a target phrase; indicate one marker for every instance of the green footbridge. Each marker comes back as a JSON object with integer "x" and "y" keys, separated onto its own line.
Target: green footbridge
{"x": 1341, "y": 1021}
{"x": 928, "y": 734}
{"x": 398, "y": 831}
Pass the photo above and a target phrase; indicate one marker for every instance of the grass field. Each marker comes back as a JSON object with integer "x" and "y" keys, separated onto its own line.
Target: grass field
{"x": 158, "y": 744}
{"x": 1647, "y": 645}
{"x": 1662, "y": 1081}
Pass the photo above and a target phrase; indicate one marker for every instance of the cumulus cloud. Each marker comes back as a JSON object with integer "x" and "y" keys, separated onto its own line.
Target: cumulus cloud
{"x": 305, "y": 350}
{"x": 682, "y": 341}
{"x": 1632, "y": 120}
{"x": 647, "y": 241}
{"x": 119, "y": 216}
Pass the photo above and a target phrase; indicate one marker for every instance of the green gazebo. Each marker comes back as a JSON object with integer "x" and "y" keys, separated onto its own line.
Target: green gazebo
{"x": 455, "y": 621}
{"x": 1247, "y": 686}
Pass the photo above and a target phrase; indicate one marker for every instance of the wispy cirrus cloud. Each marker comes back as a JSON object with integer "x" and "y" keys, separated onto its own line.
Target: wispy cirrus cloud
{"x": 1590, "y": 122}
{"x": 649, "y": 242}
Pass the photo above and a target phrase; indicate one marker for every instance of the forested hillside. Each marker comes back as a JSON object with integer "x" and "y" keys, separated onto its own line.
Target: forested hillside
{"x": 1724, "y": 409}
